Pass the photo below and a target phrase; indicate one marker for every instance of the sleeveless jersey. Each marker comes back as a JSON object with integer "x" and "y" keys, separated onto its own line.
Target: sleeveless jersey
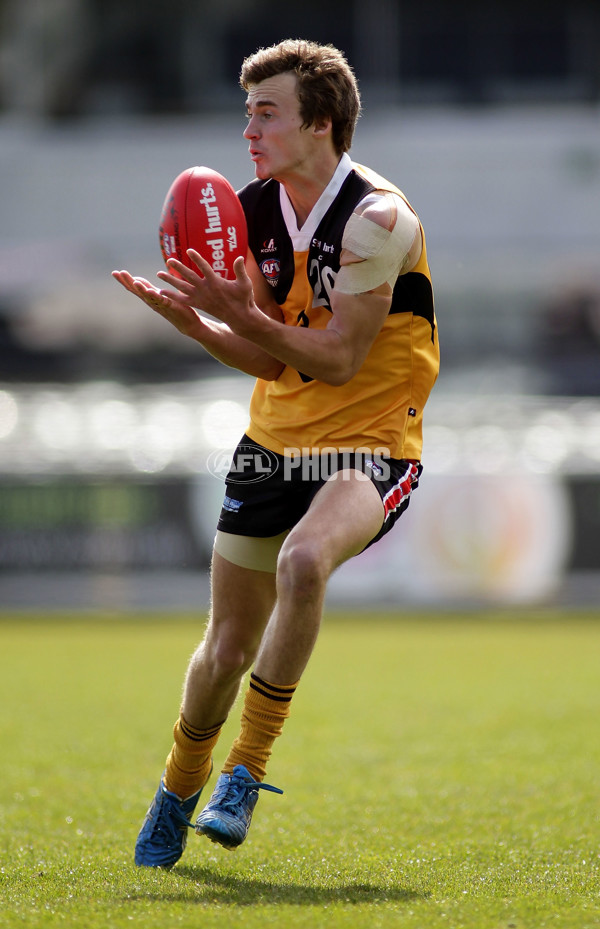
{"x": 381, "y": 407}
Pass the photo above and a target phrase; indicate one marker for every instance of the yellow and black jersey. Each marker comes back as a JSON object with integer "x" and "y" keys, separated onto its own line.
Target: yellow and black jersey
{"x": 381, "y": 407}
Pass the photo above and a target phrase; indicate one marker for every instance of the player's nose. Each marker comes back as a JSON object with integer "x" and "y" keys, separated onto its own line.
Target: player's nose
{"x": 251, "y": 130}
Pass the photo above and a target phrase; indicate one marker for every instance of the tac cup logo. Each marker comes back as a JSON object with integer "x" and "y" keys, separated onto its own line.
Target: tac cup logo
{"x": 249, "y": 465}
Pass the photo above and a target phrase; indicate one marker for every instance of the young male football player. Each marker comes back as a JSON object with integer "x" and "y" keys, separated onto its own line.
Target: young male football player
{"x": 333, "y": 313}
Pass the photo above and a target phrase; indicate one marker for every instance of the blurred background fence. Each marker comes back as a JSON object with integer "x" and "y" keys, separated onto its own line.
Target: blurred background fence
{"x": 114, "y": 431}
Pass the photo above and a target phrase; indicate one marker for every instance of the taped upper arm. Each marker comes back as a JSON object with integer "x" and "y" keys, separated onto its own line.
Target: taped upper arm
{"x": 382, "y": 239}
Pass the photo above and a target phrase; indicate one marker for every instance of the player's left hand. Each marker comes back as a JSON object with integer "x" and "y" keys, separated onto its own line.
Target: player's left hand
{"x": 231, "y": 302}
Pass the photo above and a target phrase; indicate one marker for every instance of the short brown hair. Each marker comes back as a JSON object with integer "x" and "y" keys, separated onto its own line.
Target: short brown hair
{"x": 327, "y": 86}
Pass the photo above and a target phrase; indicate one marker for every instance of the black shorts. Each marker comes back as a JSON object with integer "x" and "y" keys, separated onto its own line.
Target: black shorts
{"x": 267, "y": 493}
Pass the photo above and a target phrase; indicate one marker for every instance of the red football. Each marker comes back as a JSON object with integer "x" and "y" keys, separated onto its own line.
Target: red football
{"x": 202, "y": 211}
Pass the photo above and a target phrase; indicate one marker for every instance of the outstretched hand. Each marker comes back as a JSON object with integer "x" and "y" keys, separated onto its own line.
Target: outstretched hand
{"x": 231, "y": 302}
{"x": 171, "y": 306}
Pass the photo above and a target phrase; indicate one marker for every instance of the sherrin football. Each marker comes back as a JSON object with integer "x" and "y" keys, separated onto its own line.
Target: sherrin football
{"x": 202, "y": 211}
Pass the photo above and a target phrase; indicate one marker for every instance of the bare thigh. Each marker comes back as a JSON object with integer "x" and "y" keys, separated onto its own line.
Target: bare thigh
{"x": 344, "y": 516}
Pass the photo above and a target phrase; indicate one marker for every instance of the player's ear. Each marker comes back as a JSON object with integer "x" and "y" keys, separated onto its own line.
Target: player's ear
{"x": 322, "y": 126}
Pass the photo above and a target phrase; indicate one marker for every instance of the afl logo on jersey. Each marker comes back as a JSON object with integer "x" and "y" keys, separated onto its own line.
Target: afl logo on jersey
{"x": 270, "y": 267}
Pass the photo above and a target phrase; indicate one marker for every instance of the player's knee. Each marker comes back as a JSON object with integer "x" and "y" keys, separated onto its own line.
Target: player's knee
{"x": 301, "y": 568}
{"x": 223, "y": 657}
{"x": 231, "y": 660}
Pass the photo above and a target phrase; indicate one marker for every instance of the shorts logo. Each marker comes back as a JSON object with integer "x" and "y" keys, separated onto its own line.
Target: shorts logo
{"x": 252, "y": 464}
{"x": 231, "y": 505}
{"x": 375, "y": 468}
{"x": 270, "y": 267}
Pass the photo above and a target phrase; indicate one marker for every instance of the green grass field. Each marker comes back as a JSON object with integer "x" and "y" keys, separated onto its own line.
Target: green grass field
{"x": 437, "y": 773}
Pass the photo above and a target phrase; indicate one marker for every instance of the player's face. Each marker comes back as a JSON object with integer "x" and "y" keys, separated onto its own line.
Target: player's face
{"x": 279, "y": 146}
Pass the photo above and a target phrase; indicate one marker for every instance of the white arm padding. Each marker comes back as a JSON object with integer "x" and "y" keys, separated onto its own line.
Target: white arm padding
{"x": 381, "y": 253}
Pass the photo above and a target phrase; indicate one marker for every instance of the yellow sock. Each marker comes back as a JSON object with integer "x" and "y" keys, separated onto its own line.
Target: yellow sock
{"x": 266, "y": 707}
{"x": 190, "y": 761}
